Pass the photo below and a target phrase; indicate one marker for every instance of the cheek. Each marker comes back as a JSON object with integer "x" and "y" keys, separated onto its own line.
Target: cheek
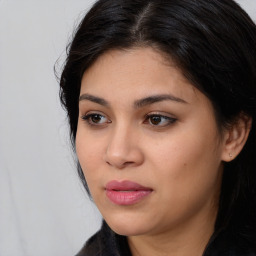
{"x": 88, "y": 151}
{"x": 186, "y": 161}
{"x": 188, "y": 180}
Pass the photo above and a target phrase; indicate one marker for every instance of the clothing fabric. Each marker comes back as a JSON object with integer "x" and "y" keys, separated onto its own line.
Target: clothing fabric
{"x": 107, "y": 243}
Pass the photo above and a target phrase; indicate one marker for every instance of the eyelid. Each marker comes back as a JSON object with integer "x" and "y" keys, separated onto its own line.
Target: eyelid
{"x": 162, "y": 114}
{"x": 94, "y": 112}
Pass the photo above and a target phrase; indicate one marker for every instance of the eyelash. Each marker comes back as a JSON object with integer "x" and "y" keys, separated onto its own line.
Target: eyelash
{"x": 148, "y": 120}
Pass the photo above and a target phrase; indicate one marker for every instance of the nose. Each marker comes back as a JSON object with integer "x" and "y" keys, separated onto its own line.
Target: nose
{"x": 123, "y": 149}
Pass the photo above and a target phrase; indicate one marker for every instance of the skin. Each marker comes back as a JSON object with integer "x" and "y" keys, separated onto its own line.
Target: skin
{"x": 179, "y": 157}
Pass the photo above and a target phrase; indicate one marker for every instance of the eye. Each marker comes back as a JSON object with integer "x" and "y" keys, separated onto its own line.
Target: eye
{"x": 95, "y": 119}
{"x": 159, "y": 120}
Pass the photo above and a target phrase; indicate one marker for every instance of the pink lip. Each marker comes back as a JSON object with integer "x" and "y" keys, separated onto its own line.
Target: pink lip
{"x": 126, "y": 192}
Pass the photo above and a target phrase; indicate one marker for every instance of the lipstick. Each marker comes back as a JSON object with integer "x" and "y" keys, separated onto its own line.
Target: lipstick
{"x": 126, "y": 192}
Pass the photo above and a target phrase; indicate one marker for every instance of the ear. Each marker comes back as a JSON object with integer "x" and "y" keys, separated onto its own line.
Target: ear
{"x": 235, "y": 137}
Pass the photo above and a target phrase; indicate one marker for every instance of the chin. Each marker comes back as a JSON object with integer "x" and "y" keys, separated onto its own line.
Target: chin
{"x": 128, "y": 231}
{"x": 127, "y": 228}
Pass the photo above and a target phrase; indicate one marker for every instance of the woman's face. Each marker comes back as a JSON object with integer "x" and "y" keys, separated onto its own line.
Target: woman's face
{"x": 148, "y": 144}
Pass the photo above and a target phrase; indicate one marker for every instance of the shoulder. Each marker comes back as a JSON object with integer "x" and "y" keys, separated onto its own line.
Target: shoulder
{"x": 105, "y": 243}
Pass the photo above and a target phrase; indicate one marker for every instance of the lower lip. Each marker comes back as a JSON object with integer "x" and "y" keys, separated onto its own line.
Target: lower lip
{"x": 127, "y": 197}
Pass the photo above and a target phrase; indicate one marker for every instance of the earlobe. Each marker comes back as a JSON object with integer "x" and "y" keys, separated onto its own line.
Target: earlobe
{"x": 235, "y": 137}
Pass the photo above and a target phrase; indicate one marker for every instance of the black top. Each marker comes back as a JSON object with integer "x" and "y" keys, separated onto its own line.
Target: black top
{"x": 107, "y": 243}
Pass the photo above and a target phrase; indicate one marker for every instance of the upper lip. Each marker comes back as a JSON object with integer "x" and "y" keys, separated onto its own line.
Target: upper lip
{"x": 125, "y": 185}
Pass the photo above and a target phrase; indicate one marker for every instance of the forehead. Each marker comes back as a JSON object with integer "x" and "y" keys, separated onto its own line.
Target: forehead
{"x": 135, "y": 73}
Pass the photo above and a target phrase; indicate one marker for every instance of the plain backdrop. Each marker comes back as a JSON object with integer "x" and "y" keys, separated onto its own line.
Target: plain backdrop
{"x": 44, "y": 209}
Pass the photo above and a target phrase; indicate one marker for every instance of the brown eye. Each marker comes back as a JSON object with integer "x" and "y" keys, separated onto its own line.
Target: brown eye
{"x": 159, "y": 120}
{"x": 155, "y": 120}
{"x": 95, "y": 119}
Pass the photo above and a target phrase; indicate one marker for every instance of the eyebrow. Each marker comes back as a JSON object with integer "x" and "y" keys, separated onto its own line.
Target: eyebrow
{"x": 156, "y": 98}
{"x": 138, "y": 103}
{"x": 94, "y": 99}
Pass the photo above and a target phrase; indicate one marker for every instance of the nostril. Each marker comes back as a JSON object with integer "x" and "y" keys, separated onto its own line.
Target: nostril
{"x": 128, "y": 163}
{"x": 120, "y": 165}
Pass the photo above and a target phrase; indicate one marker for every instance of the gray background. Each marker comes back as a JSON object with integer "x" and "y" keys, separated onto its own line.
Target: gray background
{"x": 43, "y": 207}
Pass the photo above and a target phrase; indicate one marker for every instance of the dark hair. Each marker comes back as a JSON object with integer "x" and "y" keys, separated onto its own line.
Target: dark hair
{"x": 213, "y": 42}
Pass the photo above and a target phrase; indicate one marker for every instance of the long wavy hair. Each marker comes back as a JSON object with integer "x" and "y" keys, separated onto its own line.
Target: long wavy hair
{"x": 213, "y": 42}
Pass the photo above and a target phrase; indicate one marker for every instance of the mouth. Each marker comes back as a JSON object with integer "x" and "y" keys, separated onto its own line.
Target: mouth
{"x": 126, "y": 192}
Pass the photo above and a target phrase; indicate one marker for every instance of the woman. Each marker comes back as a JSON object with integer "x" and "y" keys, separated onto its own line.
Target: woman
{"x": 161, "y": 98}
